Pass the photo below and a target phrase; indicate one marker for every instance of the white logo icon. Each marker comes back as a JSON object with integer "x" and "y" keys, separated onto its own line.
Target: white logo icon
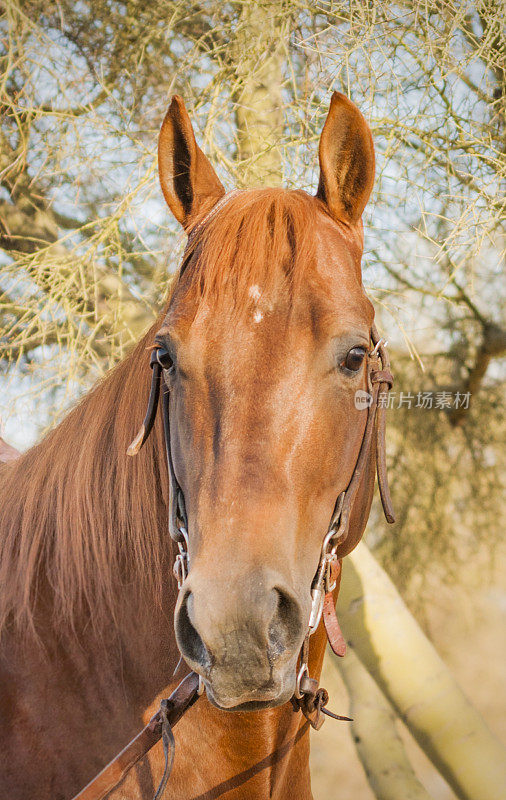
{"x": 362, "y": 399}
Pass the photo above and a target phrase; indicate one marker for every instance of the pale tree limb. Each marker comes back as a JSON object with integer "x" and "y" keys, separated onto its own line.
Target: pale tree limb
{"x": 407, "y": 668}
{"x": 379, "y": 746}
{"x": 260, "y": 54}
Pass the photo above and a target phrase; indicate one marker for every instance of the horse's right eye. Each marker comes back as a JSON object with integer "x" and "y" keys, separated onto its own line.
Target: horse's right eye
{"x": 164, "y": 358}
{"x": 354, "y": 359}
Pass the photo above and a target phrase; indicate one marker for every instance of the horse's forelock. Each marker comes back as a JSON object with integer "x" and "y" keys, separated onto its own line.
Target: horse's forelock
{"x": 262, "y": 238}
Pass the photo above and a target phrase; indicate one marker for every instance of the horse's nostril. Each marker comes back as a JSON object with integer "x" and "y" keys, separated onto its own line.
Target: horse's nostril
{"x": 190, "y": 643}
{"x": 285, "y": 624}
{"x": 243, "y": 633}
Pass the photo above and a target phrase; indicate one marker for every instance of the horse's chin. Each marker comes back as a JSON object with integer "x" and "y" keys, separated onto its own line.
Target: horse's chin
{"x": 256, "y": 700}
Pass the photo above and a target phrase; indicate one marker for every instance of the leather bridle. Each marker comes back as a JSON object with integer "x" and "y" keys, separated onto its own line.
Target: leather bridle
{"x": 308, "y": 696}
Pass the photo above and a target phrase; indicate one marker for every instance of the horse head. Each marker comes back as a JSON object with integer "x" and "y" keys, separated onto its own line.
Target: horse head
{"x": 265, "y": 349}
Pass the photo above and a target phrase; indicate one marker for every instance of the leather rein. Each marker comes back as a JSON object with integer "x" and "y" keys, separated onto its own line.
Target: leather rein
{"x": 308, "y": 696}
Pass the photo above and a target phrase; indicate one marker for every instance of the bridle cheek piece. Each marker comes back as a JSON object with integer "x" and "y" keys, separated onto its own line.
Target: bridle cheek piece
{"x": 308, "y": 696}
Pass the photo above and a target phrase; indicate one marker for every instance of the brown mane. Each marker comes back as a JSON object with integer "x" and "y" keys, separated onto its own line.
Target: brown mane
{"x": 78, "y": 518}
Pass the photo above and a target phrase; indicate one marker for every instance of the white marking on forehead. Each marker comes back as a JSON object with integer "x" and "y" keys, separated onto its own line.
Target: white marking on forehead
{"x": 258, "y": 316}
{"x": 254, "y": 292}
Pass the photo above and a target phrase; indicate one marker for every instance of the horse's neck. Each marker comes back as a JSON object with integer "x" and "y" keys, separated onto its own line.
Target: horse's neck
{"x": 251, "y": 754}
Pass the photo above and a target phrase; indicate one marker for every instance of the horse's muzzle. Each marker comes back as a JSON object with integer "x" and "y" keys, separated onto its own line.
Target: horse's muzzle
{"x": 243, "y": 638}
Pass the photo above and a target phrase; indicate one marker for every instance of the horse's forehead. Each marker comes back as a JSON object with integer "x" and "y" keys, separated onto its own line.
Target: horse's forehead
{"x": 328, "y": 301}
{"x": 322, "y": 308}
{"x": 273, "y": 342}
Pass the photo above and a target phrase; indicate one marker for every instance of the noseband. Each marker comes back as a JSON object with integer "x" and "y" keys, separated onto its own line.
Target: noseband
{"x": 308, "y": 697}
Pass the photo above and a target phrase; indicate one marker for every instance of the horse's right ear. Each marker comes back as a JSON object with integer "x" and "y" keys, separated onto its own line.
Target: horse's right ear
{"x": 346, "y": 161}
{"x": 189, "y": 183}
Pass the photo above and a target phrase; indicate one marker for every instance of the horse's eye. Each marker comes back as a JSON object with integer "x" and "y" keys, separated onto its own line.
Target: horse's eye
{"x": 164, "y": 358}
{"x": 354, "y": 359}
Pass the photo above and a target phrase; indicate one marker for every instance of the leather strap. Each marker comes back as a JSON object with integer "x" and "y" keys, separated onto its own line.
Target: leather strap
{"x": 386, "y": 381}
{"x": 382, "y": 376}
{"x": 169, "y": 748}
{"x": 160, "y": 725}
{"x": 334, "y": 634}
{"x": 149, "y": 419}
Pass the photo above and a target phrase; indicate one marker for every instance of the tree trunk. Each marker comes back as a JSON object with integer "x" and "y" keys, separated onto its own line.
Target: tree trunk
{"x": 259, "y": 54}
{"x": 413, "y": 677}
{"x": 378, "y": 744}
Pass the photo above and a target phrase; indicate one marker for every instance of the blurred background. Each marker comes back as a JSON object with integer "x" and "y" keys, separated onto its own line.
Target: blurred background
{"x": 88, "y": 250}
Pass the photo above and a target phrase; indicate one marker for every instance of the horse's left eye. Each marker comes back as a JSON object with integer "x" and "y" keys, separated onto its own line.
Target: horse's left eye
{"x": 354, "y": 358}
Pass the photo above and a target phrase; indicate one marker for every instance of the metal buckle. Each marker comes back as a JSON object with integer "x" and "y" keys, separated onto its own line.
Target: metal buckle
{"x": 180, "y": 568}
{"x": 324, "y": 584}
{"x": 303, "y": 673}
{"x": 330, "y": 560}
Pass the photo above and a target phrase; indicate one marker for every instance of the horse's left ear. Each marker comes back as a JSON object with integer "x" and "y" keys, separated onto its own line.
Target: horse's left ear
{"x": 189, "y": 183}
{"x": 346, "y": 161}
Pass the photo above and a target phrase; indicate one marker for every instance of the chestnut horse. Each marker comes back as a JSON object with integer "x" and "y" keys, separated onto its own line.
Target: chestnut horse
{"x": 266, "y": 335}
